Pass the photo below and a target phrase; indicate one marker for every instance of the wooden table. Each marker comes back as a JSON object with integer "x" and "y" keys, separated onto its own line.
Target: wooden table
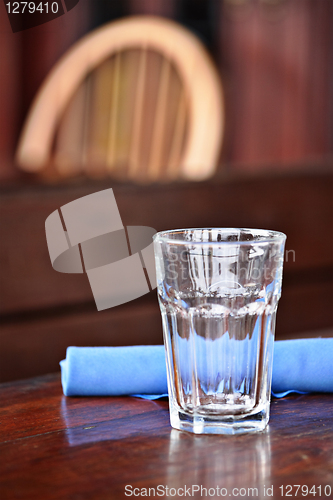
{"x": 53, "y": 447}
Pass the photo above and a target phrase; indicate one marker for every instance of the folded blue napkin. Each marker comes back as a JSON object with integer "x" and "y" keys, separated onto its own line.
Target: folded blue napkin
{"x": 299, "y": 366}
{"x": 303, "y": 365}
{"x": 114, "y": 371}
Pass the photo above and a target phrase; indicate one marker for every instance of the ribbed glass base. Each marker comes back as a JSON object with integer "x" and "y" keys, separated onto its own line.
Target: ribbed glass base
{"x": 221, "y": 424}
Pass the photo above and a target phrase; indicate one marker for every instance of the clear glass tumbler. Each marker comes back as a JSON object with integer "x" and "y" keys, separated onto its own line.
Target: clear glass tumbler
{"x": 218, "y": 291}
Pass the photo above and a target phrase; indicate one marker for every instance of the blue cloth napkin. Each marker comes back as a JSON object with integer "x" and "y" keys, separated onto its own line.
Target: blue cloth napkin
{"x": 302, "y": 366}
{"x": 114, "y": 371}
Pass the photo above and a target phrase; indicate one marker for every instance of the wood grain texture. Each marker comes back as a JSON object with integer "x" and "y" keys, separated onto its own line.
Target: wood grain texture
{"x": 53, "y": 447}
{"x": 276, "y": 57}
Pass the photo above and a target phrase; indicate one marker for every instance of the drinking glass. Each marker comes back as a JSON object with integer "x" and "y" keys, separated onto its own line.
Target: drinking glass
{"x": 218, "y": 290}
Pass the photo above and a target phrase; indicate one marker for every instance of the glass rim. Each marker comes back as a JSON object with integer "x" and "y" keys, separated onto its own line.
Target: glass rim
{"x": 268, "y": 236}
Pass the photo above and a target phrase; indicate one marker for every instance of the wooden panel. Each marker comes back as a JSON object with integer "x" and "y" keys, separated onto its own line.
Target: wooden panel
{"x": 277, "y": 59}
{"x": 28, "y": 280}
{"x": 152, "y": 7}
{"x": 305, "y": 307}
{"x": 10, "y": 88}
{"x": 299, "y": 205}
{"x": 33, "y": 347}
{"x": 43, "y": 311}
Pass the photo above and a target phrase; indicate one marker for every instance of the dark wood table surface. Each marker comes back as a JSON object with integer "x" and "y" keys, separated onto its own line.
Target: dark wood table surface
{"x": 53, "y": 447}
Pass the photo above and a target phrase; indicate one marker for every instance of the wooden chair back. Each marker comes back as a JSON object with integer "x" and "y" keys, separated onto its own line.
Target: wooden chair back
{"x": 138, "y": 98}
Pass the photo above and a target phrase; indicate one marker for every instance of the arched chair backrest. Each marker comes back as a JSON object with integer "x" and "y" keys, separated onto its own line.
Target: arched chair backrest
{"x": 186, "y": 118}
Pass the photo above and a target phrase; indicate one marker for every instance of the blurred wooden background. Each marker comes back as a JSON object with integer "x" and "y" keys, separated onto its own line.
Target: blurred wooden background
{"x": 275, "y": 171}
{"x": 274, "y": 57}
{"x": 42, "y": 311}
